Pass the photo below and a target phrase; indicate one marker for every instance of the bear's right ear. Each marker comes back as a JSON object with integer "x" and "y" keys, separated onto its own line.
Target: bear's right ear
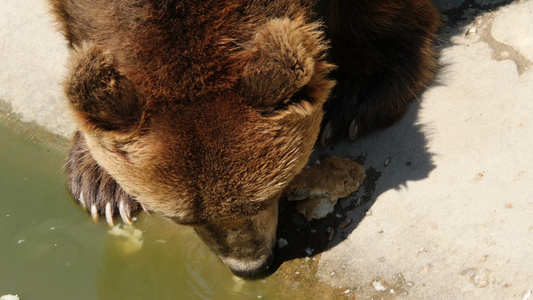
{"x": 285, "y": 69}
{"x": 99, "y": 95}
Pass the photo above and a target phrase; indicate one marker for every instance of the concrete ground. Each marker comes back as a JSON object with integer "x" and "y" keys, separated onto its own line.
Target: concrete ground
{"x": 451, "y": 212}
{"x": 451, "y": 216}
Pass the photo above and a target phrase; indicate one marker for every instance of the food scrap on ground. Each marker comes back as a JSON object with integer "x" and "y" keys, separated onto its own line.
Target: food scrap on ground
{"x": 318, "y": 187}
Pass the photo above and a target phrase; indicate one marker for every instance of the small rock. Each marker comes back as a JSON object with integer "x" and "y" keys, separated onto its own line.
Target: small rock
{"x": 282, "y": 243}
{"x": 345, "y": 224}
{"x": 471, "y": 31}
{"x": 387, "y": 161}
{"x": 331, "y": 234}
{"x": 378, "y": 286}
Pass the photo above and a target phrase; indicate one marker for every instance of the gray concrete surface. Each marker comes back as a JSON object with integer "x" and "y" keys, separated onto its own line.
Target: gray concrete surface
{"x": 451, "y": 216}
{"x": 32, "y": 64}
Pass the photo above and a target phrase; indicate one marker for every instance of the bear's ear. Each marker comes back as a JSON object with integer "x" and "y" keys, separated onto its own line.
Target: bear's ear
{"x": 99, "y": 95}
{"x": 286, "y": 69}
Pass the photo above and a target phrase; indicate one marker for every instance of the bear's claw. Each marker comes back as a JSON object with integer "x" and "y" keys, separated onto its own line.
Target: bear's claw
{"x": 125, "y": 213}
{"x": 146, "y": 210}
{"x": 326, "y": 134}
{"x": 96, "y": 191}
{"x": 353, "y": 130}
{"x": 332, "y": 130}
{"x": 94, "y": 213}
{"x": 109, "y": 214}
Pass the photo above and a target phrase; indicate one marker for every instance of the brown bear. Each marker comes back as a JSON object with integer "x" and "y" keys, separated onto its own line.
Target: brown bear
{"x": 203, "y": 111}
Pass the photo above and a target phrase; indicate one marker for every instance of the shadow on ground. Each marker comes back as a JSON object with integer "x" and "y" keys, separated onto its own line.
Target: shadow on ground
{"x": 392, "y": 157}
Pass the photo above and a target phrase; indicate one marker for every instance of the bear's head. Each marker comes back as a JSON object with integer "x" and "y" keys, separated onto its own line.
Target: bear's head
{"x": 218, "y": 159}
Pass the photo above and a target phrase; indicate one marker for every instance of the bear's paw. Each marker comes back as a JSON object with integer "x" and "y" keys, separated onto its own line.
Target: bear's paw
{"x": 95, "y": 189}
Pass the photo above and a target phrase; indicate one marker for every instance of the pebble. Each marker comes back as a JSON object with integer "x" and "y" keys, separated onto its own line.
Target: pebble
{"x": 331, "y": 234}
{"x": 387, "y": 161}
{"x": 346, "y": 223}
{"x": 378, "y": 286}
{"x": 471, "y": 31}
{"x": 282, "y": 243}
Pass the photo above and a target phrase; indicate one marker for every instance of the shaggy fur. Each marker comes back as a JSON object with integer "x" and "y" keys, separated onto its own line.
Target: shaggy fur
{"x": 384, "y": 62}
{"x": 204, "y": 111}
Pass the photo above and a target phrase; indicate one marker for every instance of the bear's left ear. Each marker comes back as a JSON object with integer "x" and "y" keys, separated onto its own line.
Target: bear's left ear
{"x": 102, "y": 98}
{"x": 285, "y": 68}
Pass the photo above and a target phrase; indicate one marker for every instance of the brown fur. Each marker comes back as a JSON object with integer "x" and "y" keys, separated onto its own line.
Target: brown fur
{"x": 384, "y": 62}
{"x": 204, "y": 111}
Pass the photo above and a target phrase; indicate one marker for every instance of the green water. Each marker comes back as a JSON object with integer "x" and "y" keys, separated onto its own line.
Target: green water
{"x": 50, "y": 248}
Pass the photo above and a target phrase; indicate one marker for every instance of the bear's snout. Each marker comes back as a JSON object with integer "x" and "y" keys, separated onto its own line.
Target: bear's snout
{"x": 249, "y": 269}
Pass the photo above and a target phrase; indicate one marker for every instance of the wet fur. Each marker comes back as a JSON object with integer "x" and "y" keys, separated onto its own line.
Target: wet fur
{"x": 205, "y": 110}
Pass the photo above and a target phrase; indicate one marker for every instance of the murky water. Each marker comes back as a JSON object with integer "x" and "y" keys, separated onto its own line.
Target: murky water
{"x": 50, "y": 249}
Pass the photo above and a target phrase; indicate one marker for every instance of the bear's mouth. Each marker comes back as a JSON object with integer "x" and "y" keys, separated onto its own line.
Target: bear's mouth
{"x": 247, "y": 268}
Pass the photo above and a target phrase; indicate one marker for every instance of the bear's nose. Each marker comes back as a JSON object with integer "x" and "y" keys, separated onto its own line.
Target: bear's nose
{"x": 249, "y": 269}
